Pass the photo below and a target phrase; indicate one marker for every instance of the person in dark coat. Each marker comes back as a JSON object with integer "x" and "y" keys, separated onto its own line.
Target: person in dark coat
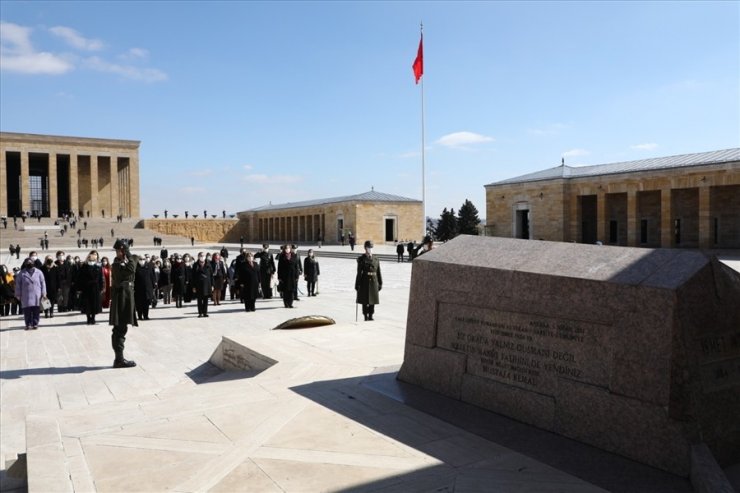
{"x": 368, "y": 281}
{"x": 267, "y": 270}
{"x": 164, "y": 254}
{"x": 51, "y": 277}
{"x": 399, "y": 251}
{"x": 311, "y": 272}
{"x": 411, "y": 249}
{"x": 165, "y": 281}
{"x": 248, "y": 277}
{"x": 288, "y": 269}
{"x": 300, "y": 271}
{"x": 123, "y": 273}
{"x": 220, "y": 278}
{"x": 179, "y": 280}
{"x": 352, "y": 241}
{"x": 202, "y": 283}
{"x": 91, "y": 285}
{"x": 144, "y": 283}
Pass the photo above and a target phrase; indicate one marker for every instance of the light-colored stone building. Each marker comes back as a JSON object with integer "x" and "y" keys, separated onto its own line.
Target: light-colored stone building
{"x": 691, "y": 201}
{"x": 52, "y": 175}
{"x": 372, "y": 215}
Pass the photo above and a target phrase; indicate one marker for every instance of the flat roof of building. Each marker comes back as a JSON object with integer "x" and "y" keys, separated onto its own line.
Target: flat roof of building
{"x": 651, "y": 164}
{"x": 57, "y": 139}
{"x": 371, "y": 196}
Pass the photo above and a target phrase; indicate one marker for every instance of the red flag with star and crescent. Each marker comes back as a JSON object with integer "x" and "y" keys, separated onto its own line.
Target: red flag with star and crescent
{"x": 418, "y": 65}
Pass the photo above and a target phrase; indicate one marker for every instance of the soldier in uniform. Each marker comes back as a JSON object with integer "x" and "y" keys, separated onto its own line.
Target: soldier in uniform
{"x": 267, "y": 270}
{"x": 122, "y": 310}
{"x": 368, "y": 282}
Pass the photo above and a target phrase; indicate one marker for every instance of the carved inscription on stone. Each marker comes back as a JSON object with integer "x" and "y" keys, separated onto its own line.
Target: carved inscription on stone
{"x": 719, "y": 356}
{"x": 525, "y": 350}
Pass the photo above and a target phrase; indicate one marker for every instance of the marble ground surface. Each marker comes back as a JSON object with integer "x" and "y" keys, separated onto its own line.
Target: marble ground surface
{"x": 312, "y": 422}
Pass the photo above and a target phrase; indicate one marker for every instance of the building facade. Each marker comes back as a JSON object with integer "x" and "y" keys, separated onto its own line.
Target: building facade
{"x": 49, "y": 176}
{"x": 374, "y": 216}
{"x": 689, "y": 201}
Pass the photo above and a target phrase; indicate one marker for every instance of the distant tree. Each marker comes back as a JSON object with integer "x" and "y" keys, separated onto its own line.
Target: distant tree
{"x": 431, "y": 225}
{"x": 467, "y": 219}
{"x": 446, "y": 226}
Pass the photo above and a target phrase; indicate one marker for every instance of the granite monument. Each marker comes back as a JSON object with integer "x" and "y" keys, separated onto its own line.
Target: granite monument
{"x": 635, "y": 351}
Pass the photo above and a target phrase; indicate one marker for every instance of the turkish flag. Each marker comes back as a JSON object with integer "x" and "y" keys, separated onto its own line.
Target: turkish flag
{"x": 418, "y": 65}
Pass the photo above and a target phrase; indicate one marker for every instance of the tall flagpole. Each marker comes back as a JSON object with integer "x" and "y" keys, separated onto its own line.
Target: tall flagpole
{"x": 423, "y": 176}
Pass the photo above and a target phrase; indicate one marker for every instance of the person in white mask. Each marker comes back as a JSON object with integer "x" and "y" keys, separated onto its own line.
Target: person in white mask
{"x": 30, "y": 288}
{"x": 91, "y": 285}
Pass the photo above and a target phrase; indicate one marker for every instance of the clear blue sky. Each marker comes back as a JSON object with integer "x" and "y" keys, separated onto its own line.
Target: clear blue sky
{"x": 238, "y": 104}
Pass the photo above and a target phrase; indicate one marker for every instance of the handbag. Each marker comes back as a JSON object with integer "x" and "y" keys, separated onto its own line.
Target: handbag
{"x": 45, "y": 304}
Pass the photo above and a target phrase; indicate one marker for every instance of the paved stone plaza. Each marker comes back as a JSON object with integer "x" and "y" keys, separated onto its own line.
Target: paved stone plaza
{"x": 329, "y": 416}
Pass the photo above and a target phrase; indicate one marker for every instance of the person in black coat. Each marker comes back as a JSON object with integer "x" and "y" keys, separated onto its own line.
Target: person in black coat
{"x": 248, "y": 277}
{"x": 144, "y": 282}
{"x": 91, "y": 284}
{"x": 288, "y": 270}
{"x": 311, "y": 273}
{"x": 399, "y": 251}
{"x": 267, "y": 270}
{"x": 202, "y": 277}
{"x": 179, "y": 280}
{"x": 51, "y": 277}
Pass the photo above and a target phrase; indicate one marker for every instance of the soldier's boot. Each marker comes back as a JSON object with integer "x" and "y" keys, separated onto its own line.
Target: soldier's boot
{"x": 120, "y": 361}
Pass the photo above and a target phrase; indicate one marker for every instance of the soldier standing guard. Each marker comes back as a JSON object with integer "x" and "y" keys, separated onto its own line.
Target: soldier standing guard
{"x": 122, "y": 312}
{"x": 368, "y": 282}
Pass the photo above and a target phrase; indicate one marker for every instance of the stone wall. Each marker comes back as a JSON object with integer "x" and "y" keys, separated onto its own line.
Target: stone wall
{"x": 204, "y": 230}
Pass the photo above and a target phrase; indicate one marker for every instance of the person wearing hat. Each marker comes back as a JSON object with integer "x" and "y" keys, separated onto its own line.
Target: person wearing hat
{"x": 368, "y": 281}
{"x": 122, "y": 311}
{"x": 267, "y": 270}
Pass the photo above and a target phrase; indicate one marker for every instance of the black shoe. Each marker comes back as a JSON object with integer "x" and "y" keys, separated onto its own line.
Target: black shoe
{"x": 370, "y": 317}
{"x": 205, "y": 314}
{"x": 123, "y": 363}
{"x": 366, "y": 318}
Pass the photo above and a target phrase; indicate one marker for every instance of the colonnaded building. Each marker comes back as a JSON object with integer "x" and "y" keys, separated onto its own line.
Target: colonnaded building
{"x": 691, "y": 200}
{"x": 48, "y": 175}
{"x": 375, "y": 216}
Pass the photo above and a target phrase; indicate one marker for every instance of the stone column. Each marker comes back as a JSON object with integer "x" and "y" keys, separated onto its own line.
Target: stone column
{"x": 574, "y": 215}
{"x": 94, "y": 167}
{"x": 74, "y": 178}
{"x": 53, "y": 200}
{"x": 666, "y": 223}
{"x": 114, "y": 203}
{"x": 25, "y": 183}
{"x": 601, "y": 217}
{"x": 133, "y": 190}
{"x": 705, "y": 217}
{"x": 631, "y": 217}
{"x": 3, "y": 183}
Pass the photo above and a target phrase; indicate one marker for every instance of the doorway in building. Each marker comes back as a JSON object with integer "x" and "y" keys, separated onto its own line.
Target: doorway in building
{"x": 588, "y": 219}
{"x": 390, "y": 229}
{"x": 340, "y": 228}
{"x": 522, "y": 224}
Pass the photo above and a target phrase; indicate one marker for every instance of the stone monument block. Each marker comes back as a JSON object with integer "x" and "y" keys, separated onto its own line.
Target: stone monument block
{"x": 635, "y": 351}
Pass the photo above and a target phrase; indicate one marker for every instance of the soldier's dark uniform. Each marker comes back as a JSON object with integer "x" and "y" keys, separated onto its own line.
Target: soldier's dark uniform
{"x": 267, "y": 269}
{"x": 122, "y": 311}
{"x": 368, "y": 282}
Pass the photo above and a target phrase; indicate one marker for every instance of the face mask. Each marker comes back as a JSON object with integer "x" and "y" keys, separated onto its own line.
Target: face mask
{"x": 60, "y": 258}
{"x": 34, "y": 257}
{"x": 90, "y": 263}
{"x": 201, "y": 259}
{"x": 141, "y": 262}
{"x": 369, "y": 251}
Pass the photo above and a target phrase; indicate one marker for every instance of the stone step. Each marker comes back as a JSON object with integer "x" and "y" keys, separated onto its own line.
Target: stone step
{"x": 13, "y": 476}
